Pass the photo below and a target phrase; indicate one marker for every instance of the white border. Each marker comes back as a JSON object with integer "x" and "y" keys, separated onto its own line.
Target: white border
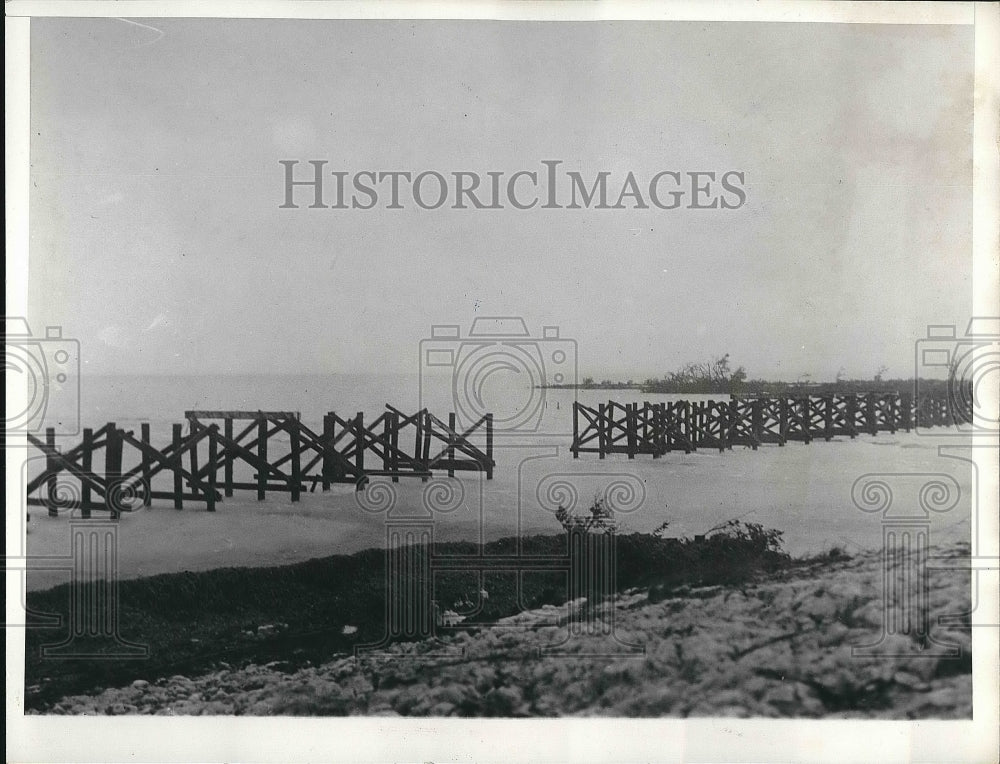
{"x": 565, "y": 10}
{"x": 376, "y": 739}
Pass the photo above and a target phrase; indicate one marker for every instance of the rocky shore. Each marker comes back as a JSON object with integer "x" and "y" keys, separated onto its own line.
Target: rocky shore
{"x": 781, "y": 647}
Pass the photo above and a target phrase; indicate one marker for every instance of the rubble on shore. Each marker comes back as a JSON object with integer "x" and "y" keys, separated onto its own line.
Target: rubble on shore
{"x": 778, "y": 648}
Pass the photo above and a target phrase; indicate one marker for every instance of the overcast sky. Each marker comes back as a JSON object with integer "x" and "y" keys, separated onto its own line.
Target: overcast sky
{"x": 158, "y": 241}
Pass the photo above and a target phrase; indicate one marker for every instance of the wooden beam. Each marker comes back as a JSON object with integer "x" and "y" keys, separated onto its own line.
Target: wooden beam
{"x": 50, "y": 488}
{"x": 213, "y": 463}
{"x": 88, "y": 465}
{"x": 178, "y": 465}
{"x": 227, "y": 467}
{"x": 113, "y": 470}
{"x": 147, "y": 479}
{"x": 262, "y": 456}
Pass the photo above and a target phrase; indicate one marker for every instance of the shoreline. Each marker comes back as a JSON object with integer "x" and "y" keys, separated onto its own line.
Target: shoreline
{"x": 778, "y": 646}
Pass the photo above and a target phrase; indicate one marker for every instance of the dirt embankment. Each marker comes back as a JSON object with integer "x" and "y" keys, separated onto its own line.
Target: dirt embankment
{"x": 778, "y": 648}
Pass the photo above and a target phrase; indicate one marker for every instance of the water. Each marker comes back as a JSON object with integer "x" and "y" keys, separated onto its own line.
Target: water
{"x": 804, "y": 490}
{"x": 163, "y": 399}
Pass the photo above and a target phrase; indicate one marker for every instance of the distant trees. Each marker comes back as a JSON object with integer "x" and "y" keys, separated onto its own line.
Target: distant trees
{"x": 714, "y": 376}
{"x": 588, "y": 383}
{"x": 718, "y": 376}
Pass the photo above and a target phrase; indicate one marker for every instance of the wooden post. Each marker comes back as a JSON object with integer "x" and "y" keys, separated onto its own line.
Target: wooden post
{"x": 387, "y": 445}
{"x": 870, "y": 414}
{"x": 721, "y": 417}
{"x": 360, "y": 443}
{"x": 851, "y": 409}
{"x": 213, "y": 465}
{"x": 576, "y": 430}
{"x": 227, "y": 474}
{"x": 805, "y": 416}
{"x": 696, "y": 423}
{"x": 653, "y": 428}
{"x": 418, "y": 440}
{"x": 452, "y": 423}
{"x": 688, "y": 426}
{"x": 428, "y": 425}
{"x": 783, "y": 419}
{"x": 698, "y": 418}
{"x": 828, "y": 418}
{"x": 630, "y": 428}
{"x": 893, "y": 413}
{"x": 394, "y": 441}
{"x": 50, "y": 465}
{"x": 730, "y": 421}
{"x": 659, "y": 428}
{"x": 113, "y": 469}
{"x": 262, "y": 456}
{"x": 296, "y": 446}
{"x": 906, "y": 411}
{"x": 88, "y": 465}
{"x": 489, "y": 446}
{"x": 193, "y": 455}
{"x": 147, "y": 481}
{"x": 803, "y": 407}
{"x": 602, "y": 430}
{"x": 178, "y": 463}
{"x": 327, "y": 469}
{"x": 757, "y": 419}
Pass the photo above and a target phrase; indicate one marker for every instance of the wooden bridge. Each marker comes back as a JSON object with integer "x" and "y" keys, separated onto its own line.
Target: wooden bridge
{"x": 661, "y": 427}
{"x": 261, "y": 451}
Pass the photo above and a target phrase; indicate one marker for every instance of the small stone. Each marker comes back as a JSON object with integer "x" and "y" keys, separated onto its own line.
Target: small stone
{"x": 906, "y": 679}
{"x": 809, "y": 704}
{"x": 441, "y": 709}
{"x": 782, "y": 697}
{"x": 732, "y": 712}
{"x": 502, "y": 701}
{"x": 140, "y": 684}
{"x": 756, "y": 686}
{"x": 943, "y": 698}
{"x": 924, "y": 667}
{"x": 820, "y": 608}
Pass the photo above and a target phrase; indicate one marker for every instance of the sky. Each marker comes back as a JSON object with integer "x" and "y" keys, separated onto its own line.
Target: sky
{"x": 159, "y": 242}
